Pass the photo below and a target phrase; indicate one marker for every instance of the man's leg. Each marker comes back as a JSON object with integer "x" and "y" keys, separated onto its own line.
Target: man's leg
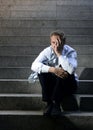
{"x": 55, "y": 88}
{"x": 47, "y": 81}
{"x": 62, "y": 88}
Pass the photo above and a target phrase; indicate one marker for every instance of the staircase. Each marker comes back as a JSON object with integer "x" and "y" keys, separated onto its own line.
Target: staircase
{"x": 24, "y": 31}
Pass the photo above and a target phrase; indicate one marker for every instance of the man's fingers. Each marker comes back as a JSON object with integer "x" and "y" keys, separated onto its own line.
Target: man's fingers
{"x": 63, "y": 74}
{"x": 59, "y": 41}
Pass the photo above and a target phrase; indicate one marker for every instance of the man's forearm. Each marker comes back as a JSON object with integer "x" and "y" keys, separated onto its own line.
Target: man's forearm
{"x": 60, "y": 72}
{"x": 51, "y": 69}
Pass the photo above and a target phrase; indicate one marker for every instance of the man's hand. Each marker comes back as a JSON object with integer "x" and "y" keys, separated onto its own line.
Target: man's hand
{"x": 60, "y": 72}
{"x": 58, "y": 47}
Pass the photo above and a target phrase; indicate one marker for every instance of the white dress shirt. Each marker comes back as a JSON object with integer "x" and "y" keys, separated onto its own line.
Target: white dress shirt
{"x": 47, "y": 58}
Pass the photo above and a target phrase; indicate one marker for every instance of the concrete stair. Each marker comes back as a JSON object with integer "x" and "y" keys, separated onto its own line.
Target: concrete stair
{"x": 34, "y": 120}
{"x": 24, "y": 31}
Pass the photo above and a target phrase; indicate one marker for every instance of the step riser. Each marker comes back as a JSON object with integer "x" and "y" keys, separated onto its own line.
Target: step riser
{"x": 35, "y": 24}
{"x": 87, "y": 74}
{"x": 31, "y": 122}
{"x": 35, "y": 50}
{"x": 59, "y": 12}
{"x": 27, "y": 102}
{"x": 43, "y": 40}
{"x": 19, "y": 87}
{"x": 35, "y": 88}
{"x": 21, "y": 103}
{"x": 20, "y": 50}
{"x": 85, "y": 88}
{"x": 33, "y": 102}
{"x": 86, "y": 104}
{"x": 26, "y": 61}
{"x": 23, "y": 73}
{"x": 15, "y": 73}
{"x": 44, "y": 2}
{"x": 74, "y": 12}
{"x": 43, "y": 32}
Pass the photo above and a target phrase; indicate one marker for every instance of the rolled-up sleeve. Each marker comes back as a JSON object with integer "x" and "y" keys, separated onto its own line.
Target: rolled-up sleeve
{"x": 38, "y": 65}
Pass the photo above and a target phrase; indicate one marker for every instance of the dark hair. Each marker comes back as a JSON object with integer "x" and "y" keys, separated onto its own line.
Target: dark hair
{"x": 60, "y": 34}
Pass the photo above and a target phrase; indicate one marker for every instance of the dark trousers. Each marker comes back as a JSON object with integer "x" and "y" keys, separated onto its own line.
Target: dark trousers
{"x": 55, "y": 88}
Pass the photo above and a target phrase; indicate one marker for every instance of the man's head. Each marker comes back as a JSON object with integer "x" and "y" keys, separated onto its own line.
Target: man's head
{"x": 57, "y": 38}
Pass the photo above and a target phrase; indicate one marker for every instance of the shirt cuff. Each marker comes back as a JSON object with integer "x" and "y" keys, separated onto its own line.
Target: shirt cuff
{"x": 45, "y": 69}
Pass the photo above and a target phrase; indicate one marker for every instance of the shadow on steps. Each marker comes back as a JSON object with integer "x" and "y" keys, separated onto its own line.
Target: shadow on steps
{"x": 36, "y": 123}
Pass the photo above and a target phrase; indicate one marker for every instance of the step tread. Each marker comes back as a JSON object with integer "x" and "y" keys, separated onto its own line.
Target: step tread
{"x": 40, "y": 113}
{"x": 36, "y": 95}
{"x": 20, "y": 112}
{"x": 24, "y": 80}
{"x": 20, "y": 95}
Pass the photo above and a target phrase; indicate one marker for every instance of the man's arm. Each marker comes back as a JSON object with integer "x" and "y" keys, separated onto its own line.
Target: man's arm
{"x": 69, "y": 63}
{"x": 38, "y": 64}
{"x": 59, "y": 72}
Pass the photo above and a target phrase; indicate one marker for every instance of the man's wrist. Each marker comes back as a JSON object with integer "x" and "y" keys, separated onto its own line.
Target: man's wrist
{"x": 51, "y": 69}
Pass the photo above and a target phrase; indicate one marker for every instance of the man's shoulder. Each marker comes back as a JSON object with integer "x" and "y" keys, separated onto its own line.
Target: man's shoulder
{"x": 68, "y": 48}
{"x": 48, "y": 49}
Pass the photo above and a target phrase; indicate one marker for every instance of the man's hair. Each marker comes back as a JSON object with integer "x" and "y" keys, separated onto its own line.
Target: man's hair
{"x": 60, "y": 34}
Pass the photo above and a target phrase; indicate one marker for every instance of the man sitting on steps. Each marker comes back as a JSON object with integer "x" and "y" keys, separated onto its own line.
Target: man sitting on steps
{"x": 56, "y": 66}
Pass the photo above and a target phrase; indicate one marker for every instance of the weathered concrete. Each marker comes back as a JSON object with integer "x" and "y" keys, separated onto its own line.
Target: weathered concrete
{"x": 25, "y": 26}
{"x": 35, "y": 122}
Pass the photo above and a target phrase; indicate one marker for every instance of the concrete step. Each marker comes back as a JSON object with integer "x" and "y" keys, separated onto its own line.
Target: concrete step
{"x": 44, "y": 31}
{"x": 26, "y": 61}
{"x": 86, "y": 103}
{"x": 25, "y": 101}
{"x": 44, "y": 2}
{"x": 21, "y": 50}
{"x": 70, "y": 2}
{"x": 22, "y": 86}
{"x": 85, "y": 87}
{"x": 77, "y": 102}
{"x": 87, "y": 74}
{"x": 21, "y": 102}
{"x": 16, "y": 120}
{"x": 15, "y": 73}
{"x": 19, "y": 86}
{"x": 35, "y": 50}
{"x": 75, "y": 12}
{"x": 16, "y": 61}
{"x": 48, "y": 23}
{"x": 48, "y": 11}
{"x": 24, "y": 72}
{"x": 43, "y": 40}
{"x": 75, "y": 2}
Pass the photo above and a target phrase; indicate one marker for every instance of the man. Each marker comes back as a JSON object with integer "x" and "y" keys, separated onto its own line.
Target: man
{"x": 56, "y": 66}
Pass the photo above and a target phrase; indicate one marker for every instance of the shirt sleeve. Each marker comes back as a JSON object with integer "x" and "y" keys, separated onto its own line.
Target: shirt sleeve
{"x": 38, "y": 65}
{"x": 69, "y": 62}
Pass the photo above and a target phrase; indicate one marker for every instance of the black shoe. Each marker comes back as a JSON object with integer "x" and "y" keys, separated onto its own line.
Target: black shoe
{"x": 48, "y": 109}
{"x": 56, "y": 110}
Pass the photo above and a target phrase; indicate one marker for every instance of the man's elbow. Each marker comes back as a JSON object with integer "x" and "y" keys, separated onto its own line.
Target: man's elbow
{"x": 33, "y": 67}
